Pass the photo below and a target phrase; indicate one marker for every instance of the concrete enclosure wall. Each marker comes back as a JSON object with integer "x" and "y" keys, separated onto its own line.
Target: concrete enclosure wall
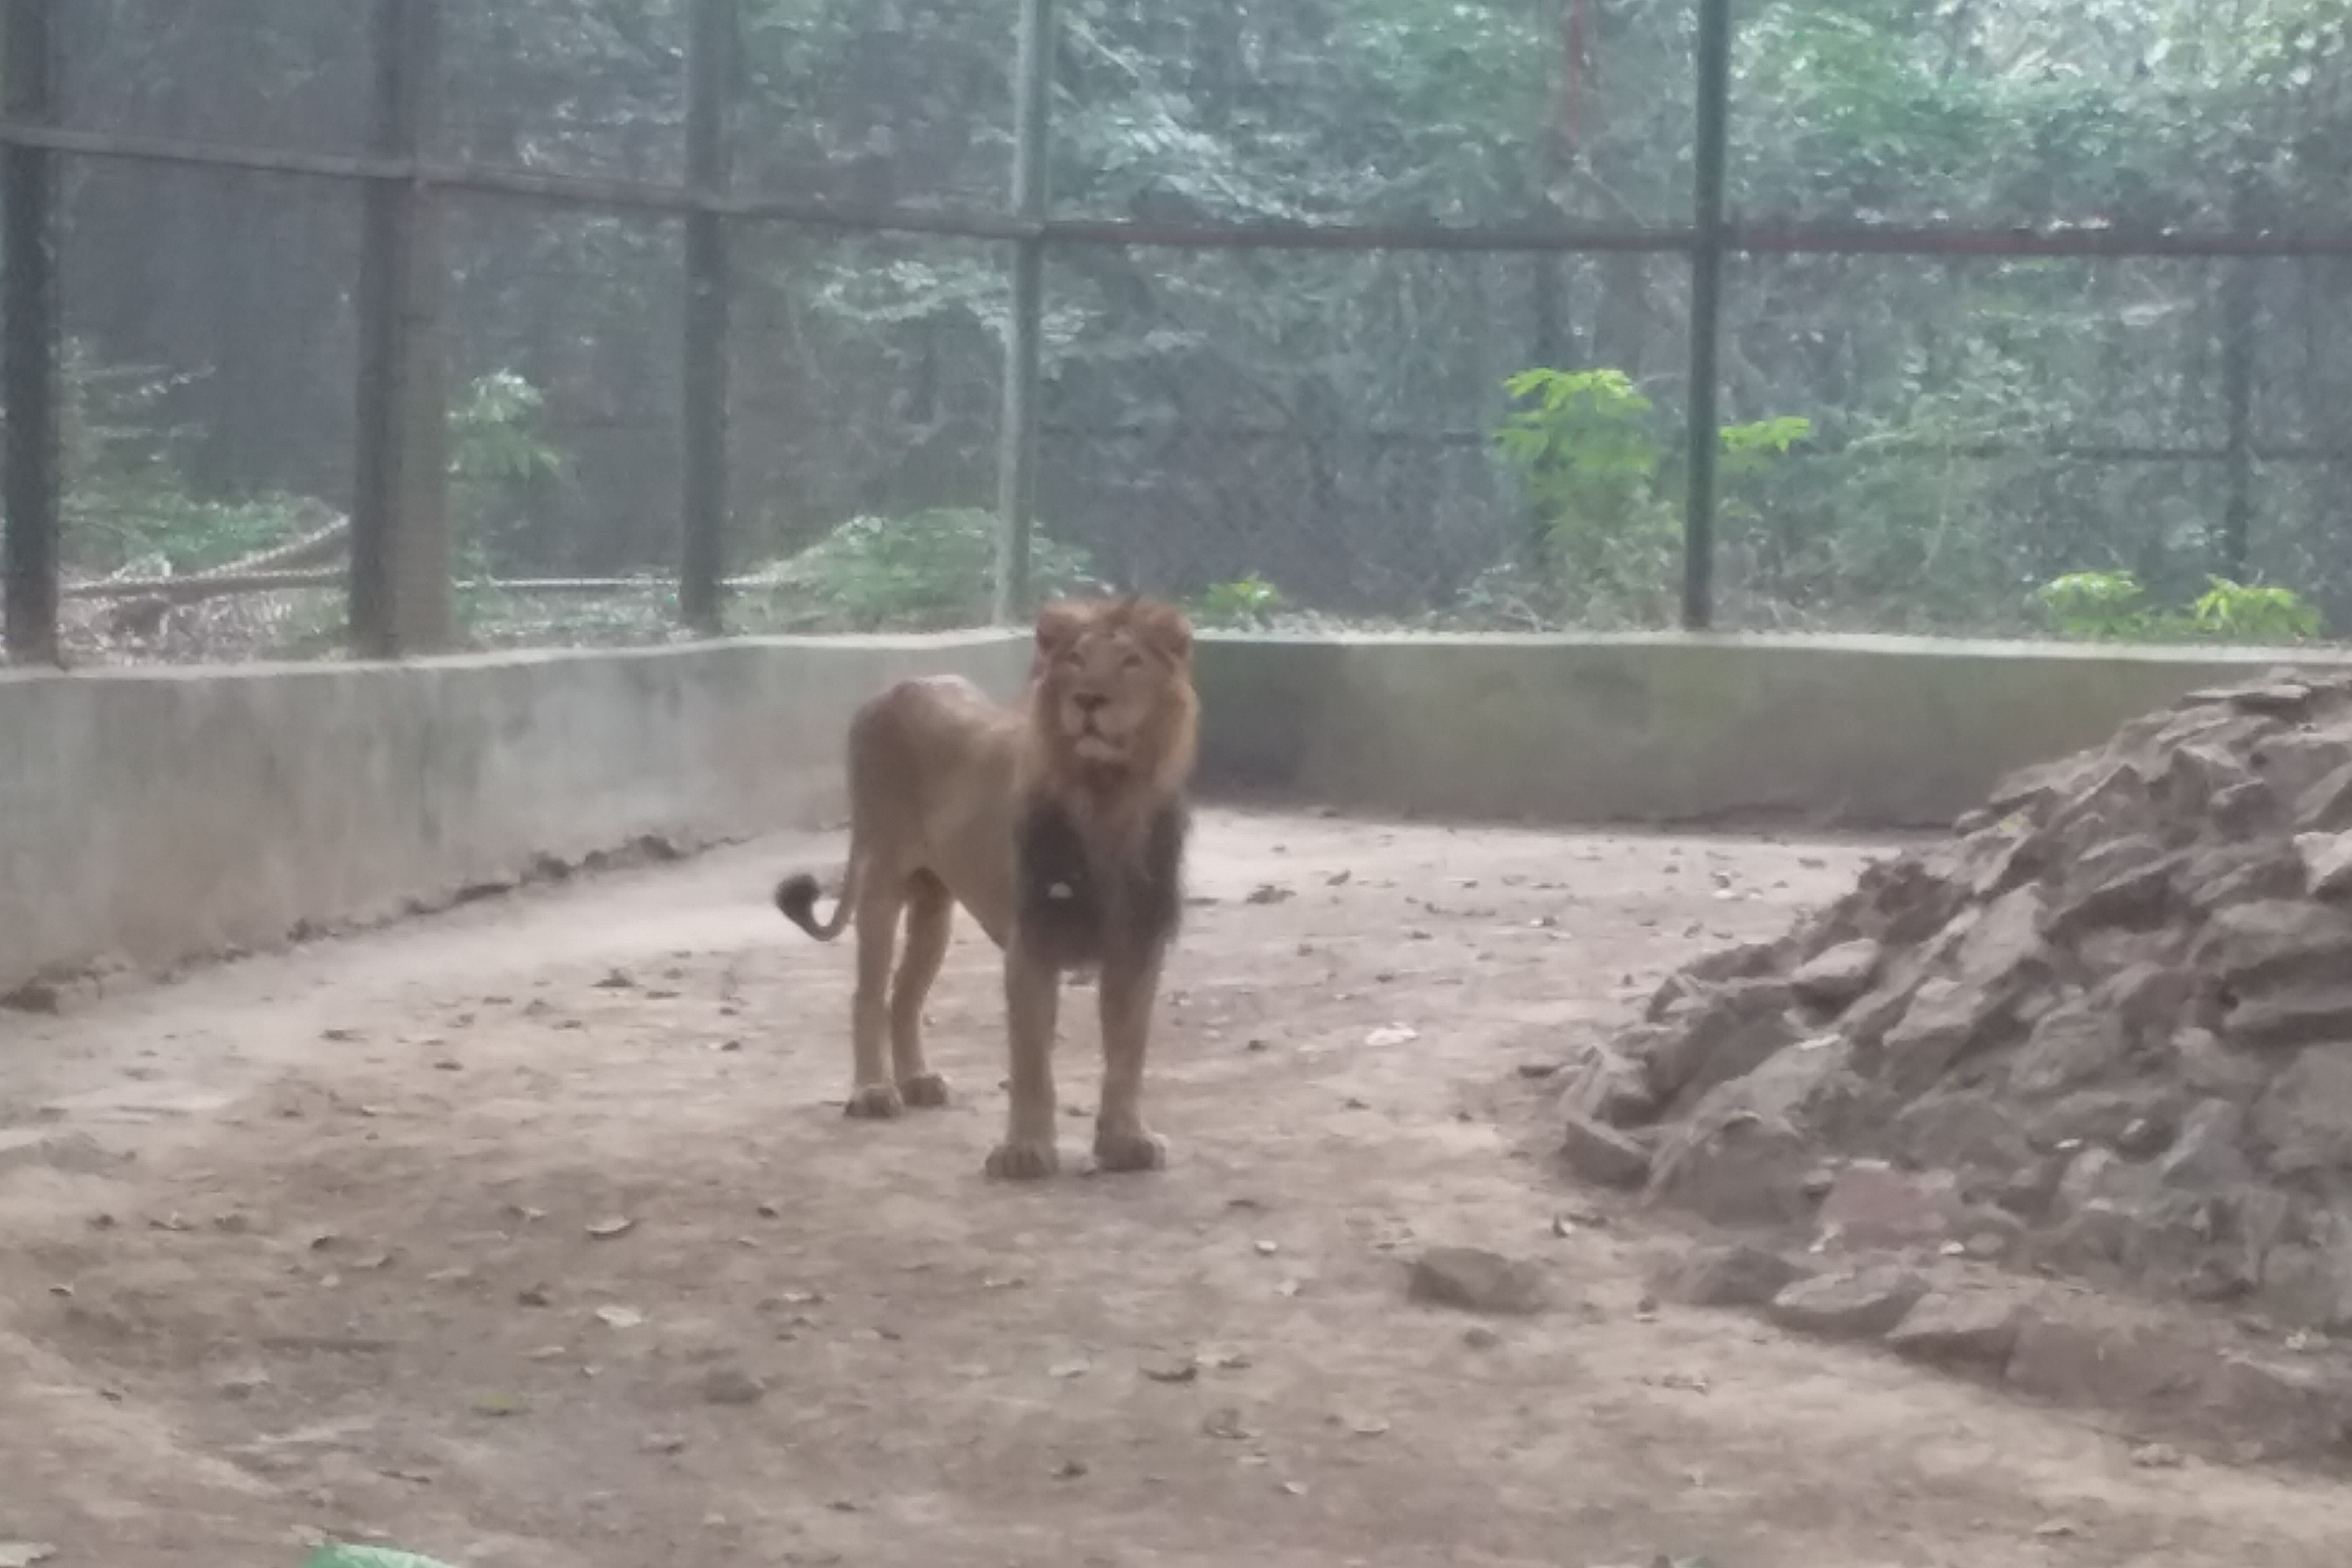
{"x": 152, "y": 816}
{"x": 1837, "y": 732}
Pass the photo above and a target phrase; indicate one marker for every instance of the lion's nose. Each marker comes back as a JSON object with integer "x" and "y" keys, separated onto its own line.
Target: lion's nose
{"x": 1091, "y": 702}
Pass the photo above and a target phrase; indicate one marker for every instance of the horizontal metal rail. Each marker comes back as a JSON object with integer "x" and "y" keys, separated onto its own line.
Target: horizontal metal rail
{"x": 572, "y": 190}
{"x": 1755, "y": 238}
{"x": 190, "y": 589}
{"x": 2052, "y": 240}
{"x": 1390, "y": 435}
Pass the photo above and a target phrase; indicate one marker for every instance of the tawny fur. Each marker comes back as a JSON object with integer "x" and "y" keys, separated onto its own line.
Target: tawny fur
{"x": 1059, "y": 825}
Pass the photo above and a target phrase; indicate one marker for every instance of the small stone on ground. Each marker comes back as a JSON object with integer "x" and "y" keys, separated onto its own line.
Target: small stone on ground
{"x": 1474, "y": 1279}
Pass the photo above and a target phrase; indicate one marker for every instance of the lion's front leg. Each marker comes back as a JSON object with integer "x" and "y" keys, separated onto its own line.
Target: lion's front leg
{"x": 1129, "y": 987}
{"x": 1033, "y": 996}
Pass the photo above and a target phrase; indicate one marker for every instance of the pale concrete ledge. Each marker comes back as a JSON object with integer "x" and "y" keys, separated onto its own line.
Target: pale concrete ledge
{"x": 148, "y": 816}
{"x": 152, "y": 816}
{"x": 1853, "y": 732}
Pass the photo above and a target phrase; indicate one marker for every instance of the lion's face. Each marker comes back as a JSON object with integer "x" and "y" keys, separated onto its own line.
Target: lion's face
{"x": 1113, "y": 679}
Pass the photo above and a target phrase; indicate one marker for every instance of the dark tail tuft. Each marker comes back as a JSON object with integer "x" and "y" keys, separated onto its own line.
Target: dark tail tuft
{"x": 796, "y": 896}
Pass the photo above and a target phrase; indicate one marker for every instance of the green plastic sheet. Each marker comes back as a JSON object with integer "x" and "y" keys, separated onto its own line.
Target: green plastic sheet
{"x": 337, "y": 1555}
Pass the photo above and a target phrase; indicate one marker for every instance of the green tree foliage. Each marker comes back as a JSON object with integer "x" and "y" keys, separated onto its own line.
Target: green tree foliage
{"x": 1593, "y": 466}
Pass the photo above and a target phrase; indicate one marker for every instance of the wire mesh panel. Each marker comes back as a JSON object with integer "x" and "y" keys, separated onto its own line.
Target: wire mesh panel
{"x": 866, "y": 420}
{"x": 273, "y": 73}
{"x": 564, "y": 391}
{"x": 2036, "y": 111}
{"x": 2299, "y": 401}
{"x": 868, "y": 103}
{"x": 1304, "y": 352}
{"x": 1417, "y": 110}
{"x": 2299, "y": 530}
{"x": 1318, "y": 436}
{"x": 208, "y": 369}
{"x": 1992, "y": 446}
{"x": 575, "y": 86}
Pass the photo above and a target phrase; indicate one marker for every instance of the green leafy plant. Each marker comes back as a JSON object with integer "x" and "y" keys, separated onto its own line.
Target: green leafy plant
{"x": 1250, "y": 600}
{"x": 1751, "y": 448}
{"x": 1581, "y": 442}
{"x": 2112, "y": 607}
{"x": 493, "y": 433}
{"x": 2254, "y": 613}
{"x": 928, "y": 569}
{"x": 495, "y": 453}
{"x": 1594, "y": 469}
{"x": 2097, "y": 606}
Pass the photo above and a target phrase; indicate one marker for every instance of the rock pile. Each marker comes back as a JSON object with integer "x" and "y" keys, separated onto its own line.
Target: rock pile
{"x": 2105, "y": 1027}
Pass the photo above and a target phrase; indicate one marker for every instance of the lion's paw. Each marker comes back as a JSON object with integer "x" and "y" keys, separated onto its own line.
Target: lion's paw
{"x": 1136, "y": 1150}
{"x": 1024, "y": 1160}
{"x": 927, "y": 1090}
{"x": 874, "y": 1102}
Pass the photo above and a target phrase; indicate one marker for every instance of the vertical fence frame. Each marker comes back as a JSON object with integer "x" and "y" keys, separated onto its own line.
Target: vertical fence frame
{"x": 712, "y": 71}
{"x": 1703, "y": 428}
{"x": 2241, "y": 301}
{"x": 31, "y": 373}
{"x": 401, "y": 584}
{"x": 1017, "y": 427}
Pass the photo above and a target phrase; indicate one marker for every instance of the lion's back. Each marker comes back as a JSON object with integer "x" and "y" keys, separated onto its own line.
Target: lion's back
{"x": 927, "y": 754}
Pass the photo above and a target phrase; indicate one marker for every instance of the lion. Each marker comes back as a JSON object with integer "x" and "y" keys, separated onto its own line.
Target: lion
{"x": 1060, "y": 826}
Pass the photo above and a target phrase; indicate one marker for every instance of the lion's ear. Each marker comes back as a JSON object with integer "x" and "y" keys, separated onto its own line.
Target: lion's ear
{"x": 1165, "y": 628}
{"x": 1057, "y": 627}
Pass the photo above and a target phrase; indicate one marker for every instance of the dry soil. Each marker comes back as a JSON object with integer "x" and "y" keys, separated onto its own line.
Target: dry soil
{"x": 532, "y": 1234}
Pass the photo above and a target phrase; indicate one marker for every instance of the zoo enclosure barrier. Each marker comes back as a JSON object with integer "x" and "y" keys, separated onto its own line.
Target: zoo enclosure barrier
{"x": 400, "y": 575}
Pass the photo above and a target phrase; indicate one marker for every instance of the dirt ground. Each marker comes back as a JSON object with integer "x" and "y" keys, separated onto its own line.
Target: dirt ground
{"x": 324, "y": 1242}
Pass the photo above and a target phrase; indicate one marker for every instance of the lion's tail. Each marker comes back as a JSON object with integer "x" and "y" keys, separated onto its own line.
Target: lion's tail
{"x": 796, "y": 896}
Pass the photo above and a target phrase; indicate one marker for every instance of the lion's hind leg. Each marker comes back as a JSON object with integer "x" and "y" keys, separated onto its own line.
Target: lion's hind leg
{"x": 872, "y": 1094}
{"x": 930, "y": 912}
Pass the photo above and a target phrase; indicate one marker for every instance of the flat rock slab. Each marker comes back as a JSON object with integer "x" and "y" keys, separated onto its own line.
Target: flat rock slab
{"x": 1604, "y": 1156}
{"x": 76, "y": 1153}
{"x": 1730, "y": 1276}
{"x": 1476, "y": 1280}
{"x": 2326, "y": 863}
{"x": 1871, "y": 1204}
{"x": 1859, "y": 1305}
{"x": 2086, "y": 1364}
{"x": 1960, "y": 1330}
{"x": 1837, "y": 975}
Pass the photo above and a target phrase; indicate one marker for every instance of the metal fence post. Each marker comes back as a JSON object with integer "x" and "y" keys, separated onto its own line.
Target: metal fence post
{"x": 401, "y": 589}
{"x": 711, "y": 65}
{"x": 1016, "y": 460}
{"x": 2241, "y": 301}
{"x": 32, "y": 554}
{"x": 1706, "y": 312}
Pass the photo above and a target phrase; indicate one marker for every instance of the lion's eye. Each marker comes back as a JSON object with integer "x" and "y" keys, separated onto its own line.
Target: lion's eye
{"x": 1132, "y": 661}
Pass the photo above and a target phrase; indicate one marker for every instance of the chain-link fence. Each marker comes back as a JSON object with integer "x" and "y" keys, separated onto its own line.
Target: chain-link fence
{"x": 432, "y": 322}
